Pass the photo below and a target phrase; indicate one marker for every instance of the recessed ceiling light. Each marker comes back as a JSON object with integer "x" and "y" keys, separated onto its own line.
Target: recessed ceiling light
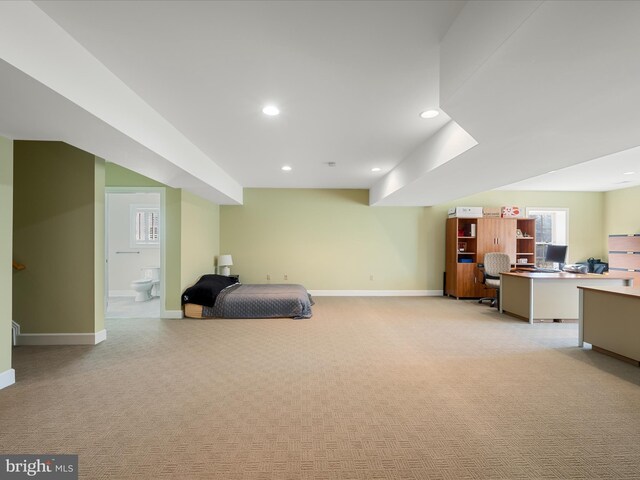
{"x": 629, "y": 173}
{"x": 376, "y": 169}
{"x": 271, "y": 110}
{"x": 429, "y": 114}
{"x": 286, "y": 168}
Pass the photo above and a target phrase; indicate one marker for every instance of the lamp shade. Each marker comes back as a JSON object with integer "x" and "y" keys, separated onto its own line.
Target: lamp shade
{"x": 225, "y": 261}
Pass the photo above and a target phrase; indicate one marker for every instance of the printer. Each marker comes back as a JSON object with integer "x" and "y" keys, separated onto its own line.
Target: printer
{"x": 576, "y": 268}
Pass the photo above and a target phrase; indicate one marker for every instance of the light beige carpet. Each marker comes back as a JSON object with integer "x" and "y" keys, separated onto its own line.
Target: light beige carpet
{"x": 369, "y": 388}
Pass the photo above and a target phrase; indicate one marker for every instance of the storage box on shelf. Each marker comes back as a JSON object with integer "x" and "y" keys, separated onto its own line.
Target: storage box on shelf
{"x": 465, "y": 212}
{"x": 491, "y": 212}
{"x": 511, "y": 212}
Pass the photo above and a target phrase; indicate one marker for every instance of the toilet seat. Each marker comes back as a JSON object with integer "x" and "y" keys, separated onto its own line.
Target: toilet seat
{"x": 143, "y": 289}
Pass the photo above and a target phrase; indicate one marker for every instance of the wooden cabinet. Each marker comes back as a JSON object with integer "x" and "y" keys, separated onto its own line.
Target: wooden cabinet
{"x": 462, "y": 258}
{"x": 469, "y": 239}
{"x": 624, "y": 255}
{"x": 496, "y": 235}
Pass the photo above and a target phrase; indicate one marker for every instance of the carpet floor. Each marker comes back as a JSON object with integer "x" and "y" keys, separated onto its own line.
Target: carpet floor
{"x": 127, "y": 307}
{"x": 369, "y": 388}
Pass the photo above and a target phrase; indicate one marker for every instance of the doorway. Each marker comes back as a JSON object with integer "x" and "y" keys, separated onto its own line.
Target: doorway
{"x": 134, "y": 250}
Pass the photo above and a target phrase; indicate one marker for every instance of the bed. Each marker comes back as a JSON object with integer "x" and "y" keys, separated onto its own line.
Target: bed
{"x": 217, "y": 296}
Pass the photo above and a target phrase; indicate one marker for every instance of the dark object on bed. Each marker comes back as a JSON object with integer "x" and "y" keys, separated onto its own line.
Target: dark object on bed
{"x": 206, "y": 290}
{"x": 256, "y": 301}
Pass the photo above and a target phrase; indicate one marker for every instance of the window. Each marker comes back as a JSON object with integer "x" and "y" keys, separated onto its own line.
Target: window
{"x": 552, "y": 226}
{"x": 145, "y": 226}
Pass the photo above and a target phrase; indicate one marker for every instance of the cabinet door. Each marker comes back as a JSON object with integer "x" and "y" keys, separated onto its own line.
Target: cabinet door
{"x": 497, "y": 235}
{"x": 468, "y": 284}
{"x": 507, "y": 238}
{"x": 488, "y": 229}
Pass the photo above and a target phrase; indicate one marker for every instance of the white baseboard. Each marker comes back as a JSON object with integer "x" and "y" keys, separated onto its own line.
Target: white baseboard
{"x": 101, "y": 336}
{"x": 376, "y": 293}
{"x": 171, "y": 314}
{"x": 122, "y": 293}
{"x": 7, "y": 378}
{"x": 62, "y": 338}
{"x": 435, "y": 293}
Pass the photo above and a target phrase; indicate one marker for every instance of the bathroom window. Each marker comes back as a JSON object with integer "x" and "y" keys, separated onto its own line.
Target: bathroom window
{"x": 145, "y": 226}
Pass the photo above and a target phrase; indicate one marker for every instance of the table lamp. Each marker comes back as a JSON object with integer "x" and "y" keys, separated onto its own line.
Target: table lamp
{"x": 224, "y": 262}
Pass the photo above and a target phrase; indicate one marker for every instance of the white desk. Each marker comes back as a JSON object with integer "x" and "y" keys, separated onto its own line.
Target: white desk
{"x": 531, "y": 295}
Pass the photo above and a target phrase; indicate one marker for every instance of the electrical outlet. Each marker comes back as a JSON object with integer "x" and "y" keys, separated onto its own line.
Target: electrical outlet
{"x": 286, "y": 277}
{"x": 268, "y": 277}
{"x": 371, "y": 277}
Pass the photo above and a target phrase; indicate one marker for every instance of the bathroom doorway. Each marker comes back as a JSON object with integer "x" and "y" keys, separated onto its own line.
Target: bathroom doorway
{"x": 134, "y": 234}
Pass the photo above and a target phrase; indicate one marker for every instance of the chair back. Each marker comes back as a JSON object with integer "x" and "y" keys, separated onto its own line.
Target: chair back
{"x": 496, "y": 263}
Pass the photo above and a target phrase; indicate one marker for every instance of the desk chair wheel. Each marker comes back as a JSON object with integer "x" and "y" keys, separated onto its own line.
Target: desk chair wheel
{"x": 492, "y": 301}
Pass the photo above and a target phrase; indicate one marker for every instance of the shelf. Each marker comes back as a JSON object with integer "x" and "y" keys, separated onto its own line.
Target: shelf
{"x": 525, "y": 238}
{"x": 466, "y": 237}
{"x": 466, "y": 253}
{"x": 524, "y": 253}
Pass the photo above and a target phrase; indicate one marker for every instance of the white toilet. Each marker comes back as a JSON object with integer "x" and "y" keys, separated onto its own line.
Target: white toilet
{"x": 147, "y": 287}
{"x": 143, "y": 289}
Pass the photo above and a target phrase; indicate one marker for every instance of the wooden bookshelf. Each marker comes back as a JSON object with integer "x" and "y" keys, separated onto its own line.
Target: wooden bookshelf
{"x": 469, "y": 239}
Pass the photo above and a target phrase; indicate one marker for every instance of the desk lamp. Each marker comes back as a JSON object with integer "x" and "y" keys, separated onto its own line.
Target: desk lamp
{"x": 224, "y": 262}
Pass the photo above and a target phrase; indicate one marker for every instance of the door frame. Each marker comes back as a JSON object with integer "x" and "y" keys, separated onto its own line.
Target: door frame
{"x": 124, "y": 190}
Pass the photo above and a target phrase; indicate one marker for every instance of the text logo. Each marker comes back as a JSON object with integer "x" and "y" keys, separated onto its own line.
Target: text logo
{"x": 50, "y": 467}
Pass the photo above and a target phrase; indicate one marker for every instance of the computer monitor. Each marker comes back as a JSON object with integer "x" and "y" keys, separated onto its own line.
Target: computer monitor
{"x": 556, "y": 254}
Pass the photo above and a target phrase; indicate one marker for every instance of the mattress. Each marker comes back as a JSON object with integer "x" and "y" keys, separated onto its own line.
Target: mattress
{"x": 256, "y": 301}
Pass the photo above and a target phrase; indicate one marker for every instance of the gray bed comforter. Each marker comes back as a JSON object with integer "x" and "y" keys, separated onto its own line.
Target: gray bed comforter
{"x": 263, "y": 301}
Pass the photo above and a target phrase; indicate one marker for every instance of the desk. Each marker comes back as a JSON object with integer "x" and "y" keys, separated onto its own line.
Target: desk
{"x": 532, "y": 295}
{"x": 609, "y": 321}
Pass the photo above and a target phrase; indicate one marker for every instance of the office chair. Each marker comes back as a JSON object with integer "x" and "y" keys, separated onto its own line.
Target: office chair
{"x": 495, "y": 263}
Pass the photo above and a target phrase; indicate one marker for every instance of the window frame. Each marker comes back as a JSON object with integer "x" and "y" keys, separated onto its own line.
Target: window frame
{"x": 528, "y": 212}
{"x": 134, "y": 210}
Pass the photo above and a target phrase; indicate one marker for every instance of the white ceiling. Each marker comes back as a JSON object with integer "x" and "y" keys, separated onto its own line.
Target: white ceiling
{"x": 174, "y": 90}
{"x": 350, "y": 79}
{"x": 611, "y": 172}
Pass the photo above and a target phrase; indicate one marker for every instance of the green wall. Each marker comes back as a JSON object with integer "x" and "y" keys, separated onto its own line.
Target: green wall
{"x": 332, "y": 240}
{"x": 57, "y": 233}
{"x": 6, "y": 240}
{"x": 98, "y": 243}
{"x": 621, "y": 212}
{"x": 200, "y": 238}
{"x": 325, "y": 239}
